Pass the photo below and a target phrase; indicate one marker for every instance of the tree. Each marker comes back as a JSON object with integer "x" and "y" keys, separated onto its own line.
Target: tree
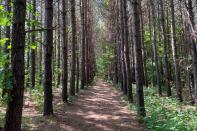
{"x": 154, "y": 44}
{"x": 65, "y": 51}
{"x": 165, "y": 59}
{"x": 58, "y": 45}
{"x": 174, "y": 52}
{"x": 194, "y": 48}
{"x": 74, "y": 42}
{"x": 123, "y": 41}
{"x": 83, "y": 76}
{"x": 33, "y": 50}
{"x": 48, "y": 98}
{"x": 15, "y": 104}
{"x": 127, "y": 53}
{"x": 138, "y": 57}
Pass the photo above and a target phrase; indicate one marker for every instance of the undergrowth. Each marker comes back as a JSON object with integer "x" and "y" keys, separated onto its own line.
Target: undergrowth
{"x": 164, "y": 113}
{"x": 168, "y": 114}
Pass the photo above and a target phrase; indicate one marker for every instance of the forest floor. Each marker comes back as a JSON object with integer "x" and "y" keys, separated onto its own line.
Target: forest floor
{"x": 97, "y": 108}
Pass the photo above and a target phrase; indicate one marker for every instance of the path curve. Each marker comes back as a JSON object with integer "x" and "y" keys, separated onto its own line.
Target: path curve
{"x": 98, "y": 108}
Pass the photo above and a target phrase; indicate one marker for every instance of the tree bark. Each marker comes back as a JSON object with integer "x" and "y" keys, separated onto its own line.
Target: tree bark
{"x": 138, "y": 57}
{"x": 194, "y": 48}
{"x": 174, "y": 52}
{"x": 15, "y": 105}
{"x": 154, "y": 44}
{"x": 165, "y": 59}
{"x": 48, "y": 97}
{"x": 65, "y": 51}
{"x": 74, "y": 42}
{"x": 127, "y": 52}
{"x": 33, "y": 51}
{"x": 83, "y": 57}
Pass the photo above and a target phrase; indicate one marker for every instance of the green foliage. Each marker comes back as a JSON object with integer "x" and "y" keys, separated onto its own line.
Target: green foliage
{"x": 6, "y": 78}
{"x": 38, "y": 96}
{"x": 104, "y": 59}
{"x": 168, "y": 114}
{"x": 5, "y": 17}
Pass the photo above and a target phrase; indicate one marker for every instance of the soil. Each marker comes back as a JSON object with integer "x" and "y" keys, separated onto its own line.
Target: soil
{"x": 97, "y": 108}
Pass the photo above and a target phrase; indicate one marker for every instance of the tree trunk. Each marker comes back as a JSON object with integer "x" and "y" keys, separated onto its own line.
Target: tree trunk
{"x": 165, "y": 59}
{"x": 59, "y": 46}
{"x": 123, "y": 62}
{"x": 127, "y": 52}
{"x": 83, "y": 57}
{"x": 138, "y": 57}
{"x": 33, "y": 50}
{"x": 74, "y": 42}
{"x": 15, "y": 105}
{"x": 65, "y": 51}
{"x": 154, "y": 44}
{"x": 175, "y": 56}
{"x": 194, "y": 48}
{"x": 48, "y": 97}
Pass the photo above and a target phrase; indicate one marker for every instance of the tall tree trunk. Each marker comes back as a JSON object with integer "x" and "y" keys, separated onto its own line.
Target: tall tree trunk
{"x": 127, "y": 52}
{"x": 124, "y": 71}
{"x": 143, "y": 49}
{"x": 48, "y": 97}
{"x": 152, "y": 54}
{"x": 65, "y": 51}
{"x": 41, "y": 47}
{"x": 83, "y": 57}
{"x": 33, "y": 51}
{"x": 74, "y": 42}
{"x": 77, "y": 69}
{"x": 59, "y": 46}
{"x": 15, "y": 105}
{"x": 138, "y": 57}
{"x": 194, "y": 47}
{"x": 174, "y": 52}
{"x": 165, "y": 59}
{"x": 155, "y": 48}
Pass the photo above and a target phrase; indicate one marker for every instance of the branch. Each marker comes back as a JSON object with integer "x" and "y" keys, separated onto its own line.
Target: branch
{"x": 41, "y": 29}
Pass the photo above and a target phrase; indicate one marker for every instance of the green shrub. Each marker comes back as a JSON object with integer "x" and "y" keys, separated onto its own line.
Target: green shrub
{"x": 168, "y": 114}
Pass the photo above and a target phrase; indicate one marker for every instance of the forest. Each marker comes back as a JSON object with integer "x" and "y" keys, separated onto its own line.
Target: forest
{"x": 98, "y": 65}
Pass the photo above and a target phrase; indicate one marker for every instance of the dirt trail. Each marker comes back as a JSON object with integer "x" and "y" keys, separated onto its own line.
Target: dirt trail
{"x": 98, "y": 108}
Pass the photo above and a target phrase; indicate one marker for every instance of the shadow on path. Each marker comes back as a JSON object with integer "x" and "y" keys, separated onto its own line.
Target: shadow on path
{"x": 98, "y": 108}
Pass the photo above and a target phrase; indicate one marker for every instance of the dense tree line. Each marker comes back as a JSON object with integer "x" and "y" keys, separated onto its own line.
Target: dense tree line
{"x": 40, "y": 37}
{"x": 47, "y": 44}
{"x": 155, "y": 43}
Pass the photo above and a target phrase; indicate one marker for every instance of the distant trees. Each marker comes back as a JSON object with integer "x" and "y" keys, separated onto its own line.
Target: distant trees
{"x": 127, "y": 42}
{"x": 163, "y": 43}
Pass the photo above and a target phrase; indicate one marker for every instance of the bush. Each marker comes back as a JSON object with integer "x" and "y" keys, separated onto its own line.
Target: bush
{"x": 168, "y": 114}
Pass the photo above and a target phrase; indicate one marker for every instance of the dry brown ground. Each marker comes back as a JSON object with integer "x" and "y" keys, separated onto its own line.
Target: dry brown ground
{"x": 98, "y": 108}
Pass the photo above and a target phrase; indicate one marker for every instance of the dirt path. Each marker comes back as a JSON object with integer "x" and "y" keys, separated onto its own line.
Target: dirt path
{"x": 98, "y": 108}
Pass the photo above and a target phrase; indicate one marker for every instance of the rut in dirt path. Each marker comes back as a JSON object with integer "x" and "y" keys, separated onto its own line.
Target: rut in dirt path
{"x": 98, "y": 108}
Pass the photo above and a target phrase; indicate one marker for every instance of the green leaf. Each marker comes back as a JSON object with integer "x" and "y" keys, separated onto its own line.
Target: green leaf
{"x": 3, "y": 41}
{"x": 9, "y": 47}
{"x": 34, "y": 46}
